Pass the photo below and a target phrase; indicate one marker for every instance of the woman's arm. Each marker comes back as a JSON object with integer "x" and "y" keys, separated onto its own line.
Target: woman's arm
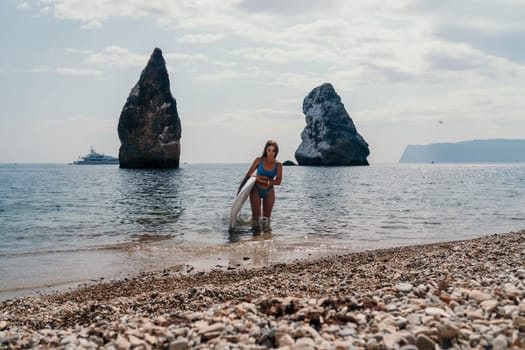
{"x": 254, "y": 166}
{"x": 278, "y": 176}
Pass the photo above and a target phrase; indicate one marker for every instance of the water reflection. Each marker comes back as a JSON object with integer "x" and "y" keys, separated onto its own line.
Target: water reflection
{"x": 150, "y": 202}
{"x": 250, "y": 230}
{"x": 261, "y": 226}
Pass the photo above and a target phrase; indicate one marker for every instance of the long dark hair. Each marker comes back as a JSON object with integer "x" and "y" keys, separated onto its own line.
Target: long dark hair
{"x": 271, "y": 143}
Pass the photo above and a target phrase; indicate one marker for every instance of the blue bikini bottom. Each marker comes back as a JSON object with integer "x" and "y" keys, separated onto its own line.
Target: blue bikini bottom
{"x": 263, "y": 192}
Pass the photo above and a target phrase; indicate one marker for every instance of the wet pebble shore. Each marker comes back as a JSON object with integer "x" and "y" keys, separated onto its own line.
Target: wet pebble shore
{"x": 456, "y": 295}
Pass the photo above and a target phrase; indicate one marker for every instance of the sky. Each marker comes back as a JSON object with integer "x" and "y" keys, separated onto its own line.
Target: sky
{"x": 407, "y": 71}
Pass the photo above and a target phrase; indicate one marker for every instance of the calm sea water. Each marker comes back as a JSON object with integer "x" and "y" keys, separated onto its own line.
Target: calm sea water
{"x": 63, "y": 223}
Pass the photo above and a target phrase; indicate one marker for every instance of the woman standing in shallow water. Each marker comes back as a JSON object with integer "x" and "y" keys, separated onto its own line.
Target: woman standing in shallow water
{"x": 269, "y": 174}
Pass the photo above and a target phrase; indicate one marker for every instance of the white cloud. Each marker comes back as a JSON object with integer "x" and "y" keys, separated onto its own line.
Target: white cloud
{"x": 299, "y": 82}
{"x": 225, "y": 74}
{"x": 358, "y": 42}
{"x": 185, "y": 58}
{"x": 289, "y": 7}
{"x": 23, "y": 6}
{"x": 385, "y": 38}
{"x": 93, "y": 24}
{"x": 45, "y": 10}
{"x": 200, "y": 38}
{"x": 41, "y": 69}
{"x": 165, "y": 12}
{"x": 272, "y": 18}
{"x": 484, "y": 16}
{"x": 118, "y": 56}
{"x": 285, "y": 55}
{"x": 225, "y": 64}
{"x": 66, "y": 71}
{"x": 76, "y": 71}
{"x": 87, "y": 11}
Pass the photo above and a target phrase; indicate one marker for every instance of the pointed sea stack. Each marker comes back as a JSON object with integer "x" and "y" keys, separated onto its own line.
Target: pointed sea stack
{"x": 330, "y": 137}
{"x": 149, "y": 126}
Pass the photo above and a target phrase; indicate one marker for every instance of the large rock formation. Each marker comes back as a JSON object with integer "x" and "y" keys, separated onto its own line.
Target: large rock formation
{"x": 330, "y": 136}
{"x": 149, "y": 126}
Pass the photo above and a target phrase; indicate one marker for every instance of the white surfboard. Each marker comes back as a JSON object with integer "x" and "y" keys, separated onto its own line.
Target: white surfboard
{"x": 243, "y": 195}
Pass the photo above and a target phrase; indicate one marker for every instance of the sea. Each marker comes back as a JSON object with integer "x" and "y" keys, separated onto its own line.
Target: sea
{"x": 64, "y": 225}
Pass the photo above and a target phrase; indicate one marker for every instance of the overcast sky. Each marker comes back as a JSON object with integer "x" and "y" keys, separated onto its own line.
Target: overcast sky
{"x": 407, "y": 71}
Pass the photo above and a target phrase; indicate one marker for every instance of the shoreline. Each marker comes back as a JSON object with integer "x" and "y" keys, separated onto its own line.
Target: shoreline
{"x": 468, "y": 293}
{"x": 67, "y": 270}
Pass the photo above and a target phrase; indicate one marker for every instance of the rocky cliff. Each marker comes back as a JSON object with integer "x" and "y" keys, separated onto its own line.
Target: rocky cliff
{"x": 473, "y": 151}
{"x": 149, "y": 127}
{"x": 330, "y": 136}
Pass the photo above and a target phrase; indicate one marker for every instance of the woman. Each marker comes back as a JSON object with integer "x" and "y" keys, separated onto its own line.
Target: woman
{"x": 269, "y": 174}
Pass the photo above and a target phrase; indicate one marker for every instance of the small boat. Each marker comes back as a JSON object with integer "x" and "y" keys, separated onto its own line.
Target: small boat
{"x": 94, "y": 158}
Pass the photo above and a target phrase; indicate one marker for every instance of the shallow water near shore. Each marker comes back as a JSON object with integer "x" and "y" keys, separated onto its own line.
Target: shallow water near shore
{"x": 63, "y": 224}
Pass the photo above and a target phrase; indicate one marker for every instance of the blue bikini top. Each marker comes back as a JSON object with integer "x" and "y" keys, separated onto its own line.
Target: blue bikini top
{"x": 261, "y": 171}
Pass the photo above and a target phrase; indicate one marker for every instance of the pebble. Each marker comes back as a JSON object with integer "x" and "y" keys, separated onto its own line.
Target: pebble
{"x": 479, "y": 296}
{"x": 404, "y": 287}
{"x": 435, "y": 311}
{"x": 424, "y": 342}
{"x": 448, "y": 331}
{"x": 179, "y": 344}
{"x": 489, "y": 305}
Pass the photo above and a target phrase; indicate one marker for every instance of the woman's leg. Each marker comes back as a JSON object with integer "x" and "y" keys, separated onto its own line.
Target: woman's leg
{"x": 255, "y": 202}
{"x": 268, "y": 201}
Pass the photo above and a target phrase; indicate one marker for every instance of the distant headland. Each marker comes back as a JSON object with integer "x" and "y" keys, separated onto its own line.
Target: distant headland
{"x": 474, "y": 151}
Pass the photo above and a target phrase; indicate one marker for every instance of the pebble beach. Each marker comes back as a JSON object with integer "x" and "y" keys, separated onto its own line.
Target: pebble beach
{"x": 455, "y": 295}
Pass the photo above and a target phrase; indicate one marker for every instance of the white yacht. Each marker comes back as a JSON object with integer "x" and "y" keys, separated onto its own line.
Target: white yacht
{"x": 94, "y": 158}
